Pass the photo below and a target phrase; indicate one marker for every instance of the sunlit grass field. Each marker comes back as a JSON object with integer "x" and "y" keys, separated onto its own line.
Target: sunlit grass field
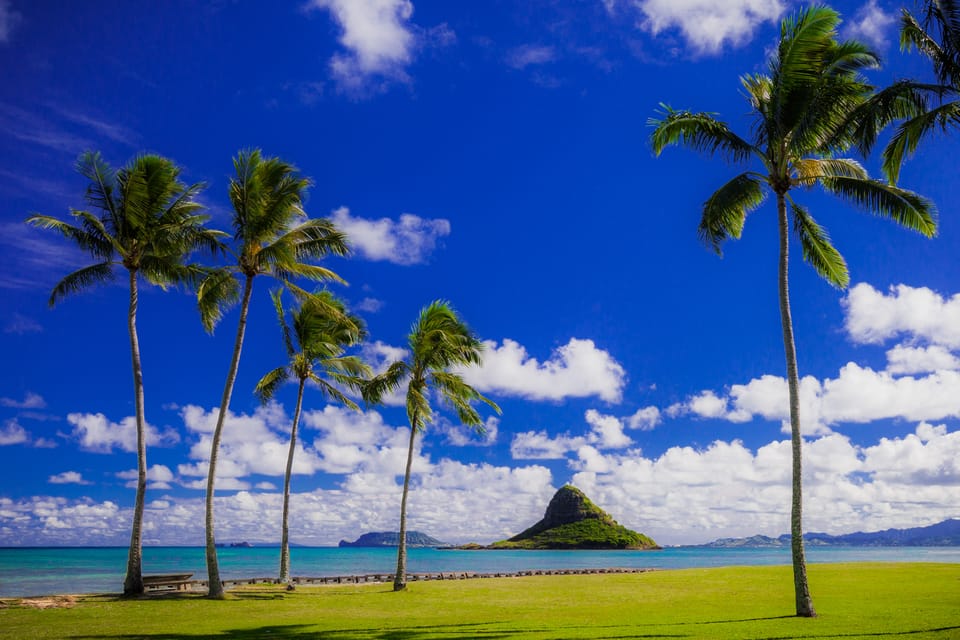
{"x": 853, "y": 601}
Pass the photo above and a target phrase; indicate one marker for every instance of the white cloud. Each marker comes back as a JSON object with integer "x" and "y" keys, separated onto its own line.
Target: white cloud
{"x": 645, "y": 419}
{"x": 728, "y": 489}
{"x": 527, "y": 55}
{"x": 30, "y": 401}
{"x": 68, "y": 477}
{"x": 406, "y": 241}
{"x": 9, "y": 20}
{"x": 460, "y": 435}
{"x": 158, "y": 477}
{"x": 378, "y": 38}
{"x": 576, "y": 370}
{"x": 369, "y": 305}
{"x": 870, "y": 24}
{"x": 538, "y": 445}
{"x": 96, "y": 433}
{"x": 919, "y": 313}
{"x": 606, "y": 431}
{"x": 905, "y": 360}
{"x": 13, "y": 433}
{"x": 707, "y": 25}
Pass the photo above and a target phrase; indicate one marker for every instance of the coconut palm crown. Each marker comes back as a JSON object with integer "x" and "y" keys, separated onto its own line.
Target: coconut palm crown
{"x": 801, "y": 111}
{"x": 272, "y": 237}
{"x": 315, "y": 341}
{"x": 935, "y": 34}
{"x": 439, "y": 341}
{"x": 148, "y": 222}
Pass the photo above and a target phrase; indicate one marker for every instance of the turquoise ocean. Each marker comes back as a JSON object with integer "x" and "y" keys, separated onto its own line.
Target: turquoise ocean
{"x": 60, "y": 570}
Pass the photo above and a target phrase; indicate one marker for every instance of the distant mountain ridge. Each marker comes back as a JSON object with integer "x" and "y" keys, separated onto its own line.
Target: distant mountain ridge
{"x": 942, "y": 534}
{"x": 392, "y": 539}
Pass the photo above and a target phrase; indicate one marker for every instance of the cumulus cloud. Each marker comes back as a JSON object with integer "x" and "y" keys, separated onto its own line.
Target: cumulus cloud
{"x": 707, "y": 25}
{"x": 409, "y": 240}
{"x": 858, "y": 394}
{"x": 870, "y": 24}
{"x": 605, "y": 432}
{"x": 576, "y": 370}
{"x": 917, "y": 313}
{"x": 250, "y": 444}
{"x": 378, "y": 39}
{"x": 460, "y": 435}
{"x": 644, "y": 419}
{"x": 158, "y": 477}
{"x": 903, "y": 359}
{"x": 728, "y": 489}
{"x": 30, "y": 400}
{"x": 68, "y": 477}
{"x": 98, "y": 434}
{"x": 13, "y": 433}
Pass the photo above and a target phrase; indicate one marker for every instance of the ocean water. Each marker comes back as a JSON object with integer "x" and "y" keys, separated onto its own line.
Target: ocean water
{"x": 57, "y": 570}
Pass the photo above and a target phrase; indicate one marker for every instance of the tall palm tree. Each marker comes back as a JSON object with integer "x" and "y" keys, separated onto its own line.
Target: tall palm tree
{"x": 936, "y": 34}
{"x": 273, "y": 237}
{"x": 148, "y": 223}
{"x": 315, "y": 345}
{"x": 800, "y": 111}
{"x": 438, "y": 341}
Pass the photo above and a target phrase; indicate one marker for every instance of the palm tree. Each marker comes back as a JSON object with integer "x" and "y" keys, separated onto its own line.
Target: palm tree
{"x": 267, "y": 197}
{"x": 315, "y": 347}
{"x": 438, "y": 341}
{"x": 937, "y": 35}
{"x": 148, "y": 224}
{"x": 801, "y": 110}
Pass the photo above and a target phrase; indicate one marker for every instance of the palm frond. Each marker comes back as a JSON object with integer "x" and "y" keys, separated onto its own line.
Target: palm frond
{"x": 267, "y": 385}
{"x": 726, "y": 210}
{"x": 331, "y": 392}
{"x": 277, "y": 296}
{"x": 379, "y": 386}
{"x": 699, "y": 131}
{"x": 94, "y": 244}
{"x": 809, "y": 171}
{"x": 103, "y": 181}
{"x": 901, "y": 100}
{"x": 909, "y": 134}
{"x": 419, "y": 412}
{"x": 218, "y": 292}
{"x": 81, "y": 279}
{"x": 818, "y": 251}
{"x": 904, "y": 207}
{"x": 460, "y": 395}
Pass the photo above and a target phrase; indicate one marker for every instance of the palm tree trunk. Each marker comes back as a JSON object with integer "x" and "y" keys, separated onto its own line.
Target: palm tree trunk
{"x": 400, "y": 579}
{"x": 214, "y": 584}
{"x": 133, "y": 581}
{"x": 284, "y": 530}
{"x": 801, "y": 589}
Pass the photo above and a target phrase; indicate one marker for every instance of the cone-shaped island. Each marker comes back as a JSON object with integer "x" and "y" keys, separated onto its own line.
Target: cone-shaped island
{"x": 572, "y": 521}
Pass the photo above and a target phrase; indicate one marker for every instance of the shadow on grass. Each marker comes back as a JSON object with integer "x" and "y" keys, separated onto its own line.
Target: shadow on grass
{"x": 954, "y": 632}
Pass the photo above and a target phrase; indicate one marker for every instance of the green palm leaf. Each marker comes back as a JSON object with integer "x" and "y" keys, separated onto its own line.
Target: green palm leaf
{"x": 904, "y": 207}
{"x": 726, "y": 210}
{"x": 699, "y": 131}
{"x": 818, "y": 251}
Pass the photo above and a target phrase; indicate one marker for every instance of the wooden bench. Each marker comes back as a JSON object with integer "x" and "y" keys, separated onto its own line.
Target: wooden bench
{"x": 167, "y": 582}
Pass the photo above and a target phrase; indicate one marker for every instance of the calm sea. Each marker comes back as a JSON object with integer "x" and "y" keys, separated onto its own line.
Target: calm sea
{"x": 52, "y": 570}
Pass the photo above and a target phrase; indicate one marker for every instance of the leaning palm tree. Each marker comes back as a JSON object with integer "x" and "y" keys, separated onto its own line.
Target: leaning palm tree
{"x": 267, "y": 198}
{"x": 315, "y": 342}
{"x": 438, "y": 341}
{"x": 936, "y": 34}
{"x": 148, "y": 224}
{"x": 801, "y": 110}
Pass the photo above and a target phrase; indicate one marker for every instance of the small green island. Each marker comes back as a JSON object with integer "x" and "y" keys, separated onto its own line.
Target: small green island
{"x": 572, "y": 521}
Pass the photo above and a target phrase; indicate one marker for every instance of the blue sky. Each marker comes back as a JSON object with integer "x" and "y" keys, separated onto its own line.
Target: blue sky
{"x": 493, "y": 154}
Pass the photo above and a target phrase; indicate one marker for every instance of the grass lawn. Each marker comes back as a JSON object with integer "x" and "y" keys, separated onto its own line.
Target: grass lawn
{"x": 853, "y": 600}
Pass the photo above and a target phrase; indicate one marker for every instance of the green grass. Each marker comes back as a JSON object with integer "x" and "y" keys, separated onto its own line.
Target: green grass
{"x": 854, "y": 601}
